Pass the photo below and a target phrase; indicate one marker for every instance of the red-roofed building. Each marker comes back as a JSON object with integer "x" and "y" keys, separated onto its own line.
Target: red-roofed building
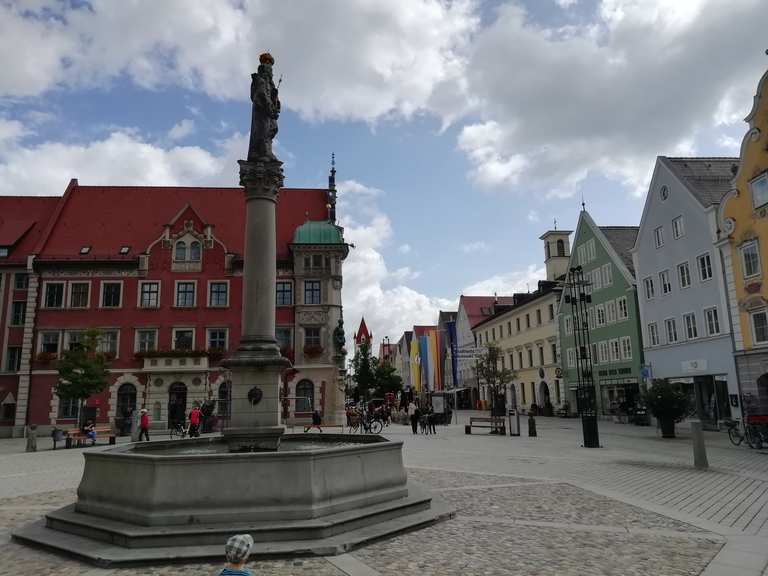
{"x": 158, "y": 270}
{"x": 362, "y": 334}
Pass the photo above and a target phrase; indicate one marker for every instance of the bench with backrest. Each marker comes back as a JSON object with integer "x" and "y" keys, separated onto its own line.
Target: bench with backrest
{"x": 495, "y": 424}
{"x": 79, "y": 437}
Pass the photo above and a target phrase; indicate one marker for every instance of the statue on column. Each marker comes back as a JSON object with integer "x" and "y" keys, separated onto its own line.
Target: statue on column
{"x": 265, "y": 111}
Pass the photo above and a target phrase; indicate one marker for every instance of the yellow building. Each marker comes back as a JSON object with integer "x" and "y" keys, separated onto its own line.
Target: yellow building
{"x": 744, "y": 247}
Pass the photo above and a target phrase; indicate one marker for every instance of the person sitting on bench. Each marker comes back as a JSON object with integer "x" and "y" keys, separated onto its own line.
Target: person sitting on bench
{"x": 90, "y": 431}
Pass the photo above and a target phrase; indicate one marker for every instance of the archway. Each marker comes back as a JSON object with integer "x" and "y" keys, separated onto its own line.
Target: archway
{"x": 177, "y": 404}
{"x": 305, "y": 396}
{"x": 126, "y": 404}
{"x": 224, "y": 402}
{"x": 761, "y": 402}
{"x": 545, "y": 400}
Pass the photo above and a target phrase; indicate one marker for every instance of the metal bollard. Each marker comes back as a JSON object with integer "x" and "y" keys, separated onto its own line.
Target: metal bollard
{"x": 531, "y": 425}
{"x": 699, "y": 449}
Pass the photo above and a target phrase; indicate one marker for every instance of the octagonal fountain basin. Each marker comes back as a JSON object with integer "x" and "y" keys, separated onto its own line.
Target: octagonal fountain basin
{"x": 181, "y": 499}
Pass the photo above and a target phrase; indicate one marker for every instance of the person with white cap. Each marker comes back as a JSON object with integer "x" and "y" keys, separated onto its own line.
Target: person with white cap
{"x": 144, "y": 425}
{"x": 236, "y": 551}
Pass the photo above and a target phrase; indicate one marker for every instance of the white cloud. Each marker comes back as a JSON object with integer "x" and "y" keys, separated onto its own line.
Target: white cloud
{"x": 182, "y": 129}
{"x": 729, "y": 143}
{"x": 404, "y": 249}
{"x": 533, "y": 216}
{"x": 507, "y": 283}
{"x": 566, "y": 3}
{"x": 390, "y": 56}
{"x": 472, "y": 247}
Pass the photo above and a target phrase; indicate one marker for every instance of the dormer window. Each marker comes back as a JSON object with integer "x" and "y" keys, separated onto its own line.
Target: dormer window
{"x": 180, "y": 252}
{"x": 759, "y": 189}
{"x": 3, "y": 252}
{"x": 194, "y": 251}
{"x": 85, "y": 250}
{"x": 124, "y": 250}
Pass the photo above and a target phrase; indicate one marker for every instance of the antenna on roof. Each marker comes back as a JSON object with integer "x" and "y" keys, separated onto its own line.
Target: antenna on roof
{"x": 583, "y": 203}
{"x": 555, "y": 223}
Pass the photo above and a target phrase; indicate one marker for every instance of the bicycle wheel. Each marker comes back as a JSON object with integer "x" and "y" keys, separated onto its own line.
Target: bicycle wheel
{"x": 753, "y": 436}
{"x": 174, "y": 433}
{"x": 735, "y": 436}
{"x": 375, "y": 427}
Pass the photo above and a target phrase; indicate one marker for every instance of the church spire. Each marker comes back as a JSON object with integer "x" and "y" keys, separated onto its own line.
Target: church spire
{"x": 332, "y": 189}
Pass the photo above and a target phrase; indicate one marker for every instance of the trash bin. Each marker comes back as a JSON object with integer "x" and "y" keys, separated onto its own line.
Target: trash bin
{"x": 58, "y": 435}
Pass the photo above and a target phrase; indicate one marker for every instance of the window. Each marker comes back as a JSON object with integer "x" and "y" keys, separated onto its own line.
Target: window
{"x": 146, "y": 340}
{"x": 185, "y": 294}
{"x": 591, "y": 318}
{"x": 194, "y": 251}
{"x": 608, "y": 274}
{"x": 653, "y": 334}
{"x": 18, "y": 312}
{"x": 312, "y": 336}
{"x": 678, "y": 230}
{"x": 594, "y": 352}
{"x": 217, "y": 338}
{"x": 517, "y": 324}
{"x": 664, "y": 192}
{"x": 691, "y": 331}
{"x": 604, "y": 352}
{"x": 615, "y": 350}
{"x": 79, "y": 293}
{"x": 305, "y": 396}
{"x": 20, "y": 281}
{"x": 111, "y": 294}
{"x": 571, "y": 354}
{"x": 649, "y": 290}
{"x": 658, "y": 237}
{"x": 597, "y": 279}
{"x": 705, "y": 267}
{"x": 610, "y": 312}
{"x": 108, "y": 342}
{"x": 284, "y": 337}
{"x": 750, "y": 259}
{"x": 666, "y": 285}
{"x": 713, "y": 322}
{"x": 479, "y": 338}
{"x": 760, "y": 326}
{"x": 74, "y": 339}
{"x": 54, "y": 295}
{"x": 591, "y": 249}
{"x": 218, "y": 294}
{"x": 311, "y": 292}
{"x": 538, "y": 317}
{"x": 684, "y": 275}
{"x": 509, "y": 328}
{"x": 600, "y": 312}
{"x": 621, "y": 308}
{"x": 553, "y": 349}
{"x": 183, "y": 338}
{"x": 759, "y": 189}
{"x": 541, "y": 356}
{"x": 671, "y": 327}
{"x": 530, "y": 358}
{"x": 149, "y": 294}
{"x": 180, "y": 253}
{"x": 582, "y": 253}
{"x": 124, "y": 250}
{"x": 626, "y": 348}
{"x": 49, "y": 342}
{"x": 520, "y": 360}
{"x": 85, "y": 250}
{"x": 13, "y": 359}
{"x": 493, "y": 334}
{"x": 68, "y": 408}
{"x": 568, "y": 320}
{"x": 527, "y": 320}
{"x": 551, "y": 309}
{"x": 522, "y": 392}
{"x": 284, "y": 294}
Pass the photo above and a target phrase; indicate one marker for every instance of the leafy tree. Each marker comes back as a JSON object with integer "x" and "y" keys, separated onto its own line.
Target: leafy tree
{"x": 365, "y": 370}
{"x": 82, "y": 371}
{"x": 386, "y": 379}
{"x": 490, "y": 372}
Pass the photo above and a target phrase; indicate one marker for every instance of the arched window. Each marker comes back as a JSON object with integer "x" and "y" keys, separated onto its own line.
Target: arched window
{"x": 560, "y": 248}
{"x": 547, "y": 250}
{"x": 305, "y": 396}
{"x": 194, "y": 251}
{"x": 180, "y": 255}
{"x": 225, "y": 399}
{"x": 126, "y": 400}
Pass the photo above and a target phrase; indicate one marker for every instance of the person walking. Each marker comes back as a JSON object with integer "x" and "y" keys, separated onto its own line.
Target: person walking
{"x": 431, "y": 417}
{"x": 414, "y": 417}
{"x": 144, "y": 425}
{"x": 236, "y": 551}
{"x": 194, "y": 422}
{"x": 316, "y": 421}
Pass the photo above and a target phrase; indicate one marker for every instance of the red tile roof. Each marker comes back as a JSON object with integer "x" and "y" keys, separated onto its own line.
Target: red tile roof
{"x": 362, "y": 332}
{"x": 474, "y": 306}
{"x": 422, "y": 330}
{"x": 22, "y": 221}
{"x": 109, "y": 217}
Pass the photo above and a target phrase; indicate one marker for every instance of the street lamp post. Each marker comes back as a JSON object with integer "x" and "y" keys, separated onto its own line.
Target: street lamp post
{"x": 578, "y": 297}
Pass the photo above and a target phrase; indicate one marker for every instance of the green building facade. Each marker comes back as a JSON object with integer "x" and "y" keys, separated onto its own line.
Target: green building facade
{"x": 613, "y": 317}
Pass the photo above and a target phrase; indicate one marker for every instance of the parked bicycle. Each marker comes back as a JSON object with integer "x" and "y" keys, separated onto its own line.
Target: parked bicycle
{"x": 179, "y": 430}
{"x": 755, "y": 431}
{"x": 364, "y": 424}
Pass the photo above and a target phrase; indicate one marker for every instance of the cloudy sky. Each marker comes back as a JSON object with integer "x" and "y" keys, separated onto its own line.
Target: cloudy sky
{"x": 461, "y": 128}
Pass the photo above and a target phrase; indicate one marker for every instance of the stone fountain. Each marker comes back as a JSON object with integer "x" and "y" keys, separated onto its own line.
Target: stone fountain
{"x": 295, "y": 494}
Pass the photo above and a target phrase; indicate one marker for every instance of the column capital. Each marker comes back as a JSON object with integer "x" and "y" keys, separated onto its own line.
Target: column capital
{"x": 261, "y": 179}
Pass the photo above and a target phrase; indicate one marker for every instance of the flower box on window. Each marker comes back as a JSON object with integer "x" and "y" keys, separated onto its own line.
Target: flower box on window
{"x": 171, "y": 354}
{"x": 216, "y": 354}
{"x": 313, "y": 350}
{"x": 45, "y": 357}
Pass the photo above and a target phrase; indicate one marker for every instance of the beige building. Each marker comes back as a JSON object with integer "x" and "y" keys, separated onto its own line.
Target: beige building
{"x": 526, "y": 332}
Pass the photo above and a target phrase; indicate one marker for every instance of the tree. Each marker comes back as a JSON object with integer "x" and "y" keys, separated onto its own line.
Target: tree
{"x": 490, "y": 372}
{"x": 365, "y": 370}
{"x": 82, "y": 371}
{"x": 386, "y": 379}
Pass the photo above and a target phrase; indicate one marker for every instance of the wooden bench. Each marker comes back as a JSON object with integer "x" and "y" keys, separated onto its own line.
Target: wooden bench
{"x": 494, "y": 424}
{"x": 79, "y": 437}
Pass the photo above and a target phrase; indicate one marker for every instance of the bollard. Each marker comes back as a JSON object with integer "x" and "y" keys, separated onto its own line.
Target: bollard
{"x": 531, "y": 425}
{"x": 32, "y": 439}
{"x": 699, "y": 449}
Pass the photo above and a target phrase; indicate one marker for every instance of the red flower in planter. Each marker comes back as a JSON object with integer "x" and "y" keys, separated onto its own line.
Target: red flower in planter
{"x": 313, "y": 350}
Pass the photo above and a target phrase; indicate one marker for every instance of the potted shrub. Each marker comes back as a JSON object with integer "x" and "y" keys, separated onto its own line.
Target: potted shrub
{"x": 668, "y": 404}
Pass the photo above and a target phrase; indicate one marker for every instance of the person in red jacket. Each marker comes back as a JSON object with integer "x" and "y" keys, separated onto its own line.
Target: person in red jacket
{"x": 144, "y": 425}
{"x": 194, "y": 422}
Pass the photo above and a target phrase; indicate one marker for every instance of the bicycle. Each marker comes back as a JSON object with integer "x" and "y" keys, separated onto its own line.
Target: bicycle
{"x": 734, "y": 434}
{"x": 179, "y": 430}
{"x": 365, "y": 425}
